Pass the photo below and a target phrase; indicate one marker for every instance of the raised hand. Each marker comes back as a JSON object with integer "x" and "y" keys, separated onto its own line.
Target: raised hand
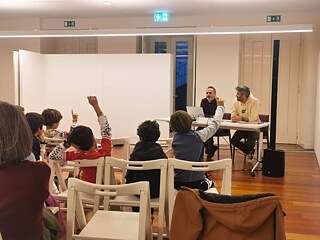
{"x": 93, "y": 101}
{"x": 220, "y": 102}
{"x": 74, "y": 116}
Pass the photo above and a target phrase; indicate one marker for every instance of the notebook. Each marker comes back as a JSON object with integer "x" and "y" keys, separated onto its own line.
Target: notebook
{"x": 195, "y": 112}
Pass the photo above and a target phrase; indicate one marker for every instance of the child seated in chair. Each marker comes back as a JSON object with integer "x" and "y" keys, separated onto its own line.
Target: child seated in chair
{"x": 52, "y": 119}
{"x": 36, "y": 122}
{"x": 147, "y": 149}
{"x": 84, "y": 145}
{"x": 188, "y": 145}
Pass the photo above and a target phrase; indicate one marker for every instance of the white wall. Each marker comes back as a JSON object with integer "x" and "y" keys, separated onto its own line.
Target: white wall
{"x": 218, "y": 66}
{"x": 317, "y": 118}
{"x": 7, "y": 46}
{"x": 308, "y": 82}
{"x": 117, "y": 45}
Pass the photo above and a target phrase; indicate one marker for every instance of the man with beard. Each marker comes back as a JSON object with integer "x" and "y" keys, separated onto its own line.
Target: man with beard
{"x": 245, "y": 108}
{"x": 209, "y": 105}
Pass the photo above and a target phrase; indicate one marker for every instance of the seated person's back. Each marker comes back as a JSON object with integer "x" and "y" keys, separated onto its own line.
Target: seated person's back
{"x": 147, "y": 149}
{"x": 188, "y": 145}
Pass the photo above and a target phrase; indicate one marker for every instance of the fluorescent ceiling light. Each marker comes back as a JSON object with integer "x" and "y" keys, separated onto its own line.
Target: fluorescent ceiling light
{"x": 160, "y": 31}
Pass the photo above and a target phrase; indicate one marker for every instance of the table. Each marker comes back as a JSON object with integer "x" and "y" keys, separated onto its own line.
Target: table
{"x": 228, "y": 124}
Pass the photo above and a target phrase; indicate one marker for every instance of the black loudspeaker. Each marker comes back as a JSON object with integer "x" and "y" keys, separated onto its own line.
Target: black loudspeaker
{"x": 273, "y": 164}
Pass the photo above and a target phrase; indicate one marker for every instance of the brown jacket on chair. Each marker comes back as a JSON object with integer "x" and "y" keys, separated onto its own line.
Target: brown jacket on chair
{"x": 194, "y": 218}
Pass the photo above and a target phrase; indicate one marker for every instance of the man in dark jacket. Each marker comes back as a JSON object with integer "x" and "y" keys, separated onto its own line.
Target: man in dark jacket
{"x": 209, "y": 105}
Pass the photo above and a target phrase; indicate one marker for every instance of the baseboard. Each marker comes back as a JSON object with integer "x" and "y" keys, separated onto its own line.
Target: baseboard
{"x": 305, "y": 145}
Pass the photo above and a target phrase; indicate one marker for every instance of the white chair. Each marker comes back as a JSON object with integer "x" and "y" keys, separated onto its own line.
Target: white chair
{"x": 125, "y": 141}
{"x": 54, "y": 141}
{"x": 107, "y": 224}
{"x": 166, "y": 142}
{"x": 158, "y": 203}
{"x": 56, "y": 170}
{"x": 225, "y": 165}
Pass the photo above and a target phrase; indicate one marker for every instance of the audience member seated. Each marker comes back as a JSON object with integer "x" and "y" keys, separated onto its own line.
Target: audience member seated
{"x": 36, "y": 122}
{"x": 188, "y": 145}
{"x": 24, "y": 184}
{"x": 52, "y": 119}
{"x": 147, "y": 149}
{"x": 84, "y": 145}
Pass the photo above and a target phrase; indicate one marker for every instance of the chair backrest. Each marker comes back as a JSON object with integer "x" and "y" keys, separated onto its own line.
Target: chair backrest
{"x": 126, "y": 145}
{"x": 161, "y": 164}
{"x": 265, "y": 130}
{"x": 227, "y": 116}
{"x": 98, "y": 163}
{"x": 76, "y": 209}
{"x": 125, "y": 141}
{"x": 54, "y": 141}
{"x": 224, "y": 164}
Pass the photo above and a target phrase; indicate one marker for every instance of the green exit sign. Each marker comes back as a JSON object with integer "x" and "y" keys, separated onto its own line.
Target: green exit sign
{"x": 274, "y": 18}
{"x": 69, "y": 23}
{"x": 161, "y": 17}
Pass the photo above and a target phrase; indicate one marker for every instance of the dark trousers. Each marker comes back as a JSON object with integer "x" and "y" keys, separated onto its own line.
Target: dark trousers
{"x": 209, "y": 143}
{"x": 248, "y": 146}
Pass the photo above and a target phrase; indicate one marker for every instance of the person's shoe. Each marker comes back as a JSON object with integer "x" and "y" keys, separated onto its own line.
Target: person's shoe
{"x": 211, "y": 153}
{"x": 250, "y": 155}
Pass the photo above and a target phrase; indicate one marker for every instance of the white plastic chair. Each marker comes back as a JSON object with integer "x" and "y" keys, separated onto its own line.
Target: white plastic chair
{"x": 54, "y": 141}
{"x": 56, "y": 170}
{"x": 107, "y": 224}
{"x": 224, "y": 164}
{"x": 158, "y": 203}
{"x": 125, "y": 141}
{"x": 166, "y": 142}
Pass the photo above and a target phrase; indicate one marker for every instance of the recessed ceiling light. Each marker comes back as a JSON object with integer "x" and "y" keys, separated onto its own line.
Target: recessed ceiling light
{"x": 107, "y": 2}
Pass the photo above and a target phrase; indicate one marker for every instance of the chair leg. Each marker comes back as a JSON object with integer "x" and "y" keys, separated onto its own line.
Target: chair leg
{"x": 233, "y": 154}
{"x": 230, "y": 145}
{"x": 258, "y": 150}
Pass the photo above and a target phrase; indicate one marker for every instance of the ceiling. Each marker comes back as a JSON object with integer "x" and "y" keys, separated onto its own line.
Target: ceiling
{"x": 146, "y": 8}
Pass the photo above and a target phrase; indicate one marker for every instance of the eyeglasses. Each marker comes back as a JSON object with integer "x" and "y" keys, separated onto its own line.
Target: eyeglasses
{"x": 209, "y": 93}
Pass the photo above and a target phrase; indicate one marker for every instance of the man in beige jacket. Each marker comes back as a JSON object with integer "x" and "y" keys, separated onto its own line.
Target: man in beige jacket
{"x": 245, "y": 108}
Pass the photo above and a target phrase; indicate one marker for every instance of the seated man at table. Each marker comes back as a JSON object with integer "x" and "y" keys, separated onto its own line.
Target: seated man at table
{"x": 245, "y": 108}
{"x": 209, "y": 105}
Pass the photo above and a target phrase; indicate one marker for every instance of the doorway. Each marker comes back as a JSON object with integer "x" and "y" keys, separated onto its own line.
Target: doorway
{"x": 182, "y": 50}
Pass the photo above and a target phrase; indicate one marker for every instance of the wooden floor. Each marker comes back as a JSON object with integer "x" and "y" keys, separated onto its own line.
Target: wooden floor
{"x": 299, "y": 190}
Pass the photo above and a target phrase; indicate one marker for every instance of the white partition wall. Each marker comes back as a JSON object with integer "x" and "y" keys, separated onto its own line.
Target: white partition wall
{"x": 130, "y": 88}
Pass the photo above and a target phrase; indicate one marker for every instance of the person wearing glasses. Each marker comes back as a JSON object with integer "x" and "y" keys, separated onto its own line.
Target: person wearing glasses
{"x": 245, "y": 108}
{"x": 209, "y": 105}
